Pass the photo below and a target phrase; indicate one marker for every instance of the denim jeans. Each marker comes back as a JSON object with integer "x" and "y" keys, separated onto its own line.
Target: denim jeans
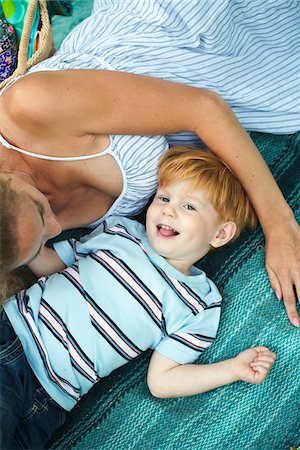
{"x": 29, "y": 416}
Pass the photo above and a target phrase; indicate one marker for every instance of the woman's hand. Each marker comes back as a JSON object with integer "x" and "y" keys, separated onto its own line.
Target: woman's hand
{"x": 283, "y": 265}
{"x": 254, "y": 364}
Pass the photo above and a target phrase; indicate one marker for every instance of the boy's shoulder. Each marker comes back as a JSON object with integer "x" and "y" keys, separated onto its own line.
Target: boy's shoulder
{"x": 131, "y": 225}
{"x": 115, "y": 227}
{"x": 201, "y": 287}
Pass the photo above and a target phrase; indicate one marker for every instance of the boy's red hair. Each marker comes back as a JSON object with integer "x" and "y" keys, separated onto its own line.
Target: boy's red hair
{"x": 206, "y": 171}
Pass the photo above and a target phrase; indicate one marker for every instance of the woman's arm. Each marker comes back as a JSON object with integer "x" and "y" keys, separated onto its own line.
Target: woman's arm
{"x": 80, "y": 105}
{"x": 166, "y": 378}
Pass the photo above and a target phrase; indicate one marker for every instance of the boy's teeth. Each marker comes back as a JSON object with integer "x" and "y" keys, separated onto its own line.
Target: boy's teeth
{"x": 166, "y": 227}
{"x": 167, "y": 231}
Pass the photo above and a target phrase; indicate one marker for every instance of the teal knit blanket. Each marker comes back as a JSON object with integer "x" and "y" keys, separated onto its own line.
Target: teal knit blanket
{"x": 120, "y": 414}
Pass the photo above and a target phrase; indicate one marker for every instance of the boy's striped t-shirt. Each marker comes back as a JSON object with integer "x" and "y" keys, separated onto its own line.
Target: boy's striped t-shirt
{"x": 116, "y": 299}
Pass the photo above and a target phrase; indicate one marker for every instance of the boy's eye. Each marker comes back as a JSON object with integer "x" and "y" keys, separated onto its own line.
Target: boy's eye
{"x": 189, "y": 207}
{"x": 163, "y": 199}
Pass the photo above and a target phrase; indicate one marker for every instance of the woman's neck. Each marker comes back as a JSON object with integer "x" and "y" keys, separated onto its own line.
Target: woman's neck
{"x": 11, "y": 161}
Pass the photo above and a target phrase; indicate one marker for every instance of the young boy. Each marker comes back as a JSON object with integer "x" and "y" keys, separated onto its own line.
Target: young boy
{"x": 126, "y": 290}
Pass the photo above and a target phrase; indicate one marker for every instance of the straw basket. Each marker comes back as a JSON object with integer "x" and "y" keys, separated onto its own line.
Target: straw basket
{"x": 46, "y": 40}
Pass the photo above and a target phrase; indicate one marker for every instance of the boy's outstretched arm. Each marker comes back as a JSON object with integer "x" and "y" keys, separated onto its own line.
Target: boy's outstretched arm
{"x": 166, "y": 378}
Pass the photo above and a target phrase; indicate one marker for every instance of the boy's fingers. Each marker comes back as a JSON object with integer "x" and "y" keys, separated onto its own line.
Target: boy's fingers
{"x": 264, "y": 351}
{"x": 266, "y": 357}
{"x": 263, "y": 365}
{"x": 262, "y": 371}
{"x": 261, "y": 348}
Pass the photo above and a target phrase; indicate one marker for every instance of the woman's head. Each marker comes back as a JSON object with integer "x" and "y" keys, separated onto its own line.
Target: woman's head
{"x": 26, "y": 223}
{"x": 8, "y": 251}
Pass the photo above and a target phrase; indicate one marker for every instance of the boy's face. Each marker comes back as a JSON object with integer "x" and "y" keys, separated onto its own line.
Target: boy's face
{"x": 181, "y": 224}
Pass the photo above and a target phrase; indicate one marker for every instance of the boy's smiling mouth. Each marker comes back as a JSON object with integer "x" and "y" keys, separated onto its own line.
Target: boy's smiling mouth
{"x": 166, "y": 231}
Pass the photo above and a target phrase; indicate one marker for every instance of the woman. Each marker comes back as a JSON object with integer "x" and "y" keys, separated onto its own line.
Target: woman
{"x": 76, "y": 138}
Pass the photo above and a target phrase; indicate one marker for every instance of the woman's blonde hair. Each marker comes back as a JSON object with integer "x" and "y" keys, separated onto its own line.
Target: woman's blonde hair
{"x": 9, "y": 199}
{"x": 206, "y": 171}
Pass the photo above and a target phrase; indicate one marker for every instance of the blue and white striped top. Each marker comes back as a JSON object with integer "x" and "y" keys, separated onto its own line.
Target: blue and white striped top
{"x": 118, "y": 299}
{"x": 246, "y": 50}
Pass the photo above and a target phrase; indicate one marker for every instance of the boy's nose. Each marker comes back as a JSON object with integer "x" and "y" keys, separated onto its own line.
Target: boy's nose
{"x": 168, "y": 211}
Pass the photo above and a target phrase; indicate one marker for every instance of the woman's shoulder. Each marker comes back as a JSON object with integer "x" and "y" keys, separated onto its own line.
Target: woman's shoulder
{"x": 15, "y": 105}
{"x": 32, "y": 107}
{"x": 23, "y": 102}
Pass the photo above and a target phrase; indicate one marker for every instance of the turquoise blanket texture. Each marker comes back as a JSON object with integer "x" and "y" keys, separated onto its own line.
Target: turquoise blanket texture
{"x": 119, "y": 412}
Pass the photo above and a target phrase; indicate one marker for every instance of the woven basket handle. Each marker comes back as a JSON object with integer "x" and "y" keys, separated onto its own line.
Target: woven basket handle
{"x": 45, "y": 41}
{"x": 26, "y": 31}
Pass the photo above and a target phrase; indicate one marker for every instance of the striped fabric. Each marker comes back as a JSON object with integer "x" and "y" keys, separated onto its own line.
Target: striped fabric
{"x": 247, "y": 50}
{"x": 106, "y": 309}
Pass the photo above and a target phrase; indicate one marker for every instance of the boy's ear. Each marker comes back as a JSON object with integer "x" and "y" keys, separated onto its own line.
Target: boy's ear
{"x": 225, "y": 233}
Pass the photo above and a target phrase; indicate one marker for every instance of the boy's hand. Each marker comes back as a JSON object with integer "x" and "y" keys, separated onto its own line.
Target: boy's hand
{"x": 254, "y": 364}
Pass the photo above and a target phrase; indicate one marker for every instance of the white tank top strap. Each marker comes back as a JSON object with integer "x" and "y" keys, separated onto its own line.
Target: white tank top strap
{"x": 6, "y": 144}
{"x": 10, "y": 83}
{"x": 56, "y": 158}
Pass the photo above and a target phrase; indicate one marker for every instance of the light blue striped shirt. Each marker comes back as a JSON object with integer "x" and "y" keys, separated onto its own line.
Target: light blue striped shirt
{"x": 117, "y": 299}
